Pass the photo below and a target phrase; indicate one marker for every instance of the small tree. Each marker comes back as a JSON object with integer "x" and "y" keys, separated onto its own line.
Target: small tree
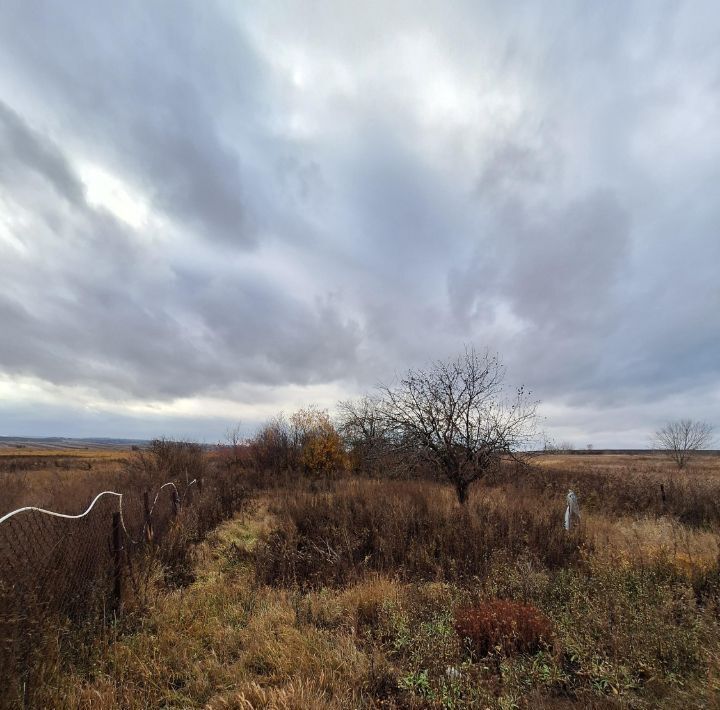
{"x": 318, "y": 447}
{"x": 455, "y": 416}
{"x": 681, "y": 438}
{"x": 307, "y": 442}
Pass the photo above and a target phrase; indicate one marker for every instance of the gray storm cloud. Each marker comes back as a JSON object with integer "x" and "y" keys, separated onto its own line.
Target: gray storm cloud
{"x": 217, "y": 202}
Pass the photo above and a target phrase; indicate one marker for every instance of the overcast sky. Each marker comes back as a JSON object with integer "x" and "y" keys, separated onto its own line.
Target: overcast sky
{"x": 210, "y": 212}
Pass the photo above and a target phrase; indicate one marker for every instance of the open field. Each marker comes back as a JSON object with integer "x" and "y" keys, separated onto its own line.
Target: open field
{"x": 62, "y": 479}
{"x": 624, "y": 463}
{"x": 376, "y": 593}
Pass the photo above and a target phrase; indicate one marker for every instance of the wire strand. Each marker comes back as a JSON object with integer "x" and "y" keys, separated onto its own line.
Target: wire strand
{"x": 67, "y": 516}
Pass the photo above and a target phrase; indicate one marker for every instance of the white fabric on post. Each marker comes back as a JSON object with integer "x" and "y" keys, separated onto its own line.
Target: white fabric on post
{"x": 572, "y": 511}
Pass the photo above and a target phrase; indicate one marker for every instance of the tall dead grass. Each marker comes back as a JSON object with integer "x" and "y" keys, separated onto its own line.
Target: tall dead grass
{"x": 415, "y": 530}
{"x": 693, "y": 496}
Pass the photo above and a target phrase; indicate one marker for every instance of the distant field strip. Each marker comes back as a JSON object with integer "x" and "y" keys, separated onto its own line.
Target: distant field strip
{"x": 48, "y": 454}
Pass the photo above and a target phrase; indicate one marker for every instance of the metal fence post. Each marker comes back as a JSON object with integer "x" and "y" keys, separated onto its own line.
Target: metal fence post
{"x": 148, "y": 522}
{"x": 117, "y": 561}
{"x": 175, "y": 502}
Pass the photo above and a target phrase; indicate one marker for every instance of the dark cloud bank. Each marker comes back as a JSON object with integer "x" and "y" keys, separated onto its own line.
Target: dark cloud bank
{"x": 209, "y": 210}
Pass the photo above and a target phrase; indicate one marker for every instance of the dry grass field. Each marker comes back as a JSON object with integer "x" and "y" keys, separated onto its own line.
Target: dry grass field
{"x": 57, "y": 477}
{"x": 622, "y": 464}
{"x": 358, "y": 593}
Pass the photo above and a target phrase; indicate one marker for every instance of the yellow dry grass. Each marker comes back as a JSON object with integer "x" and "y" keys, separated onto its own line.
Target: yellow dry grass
{"x": 14, "y": 452}
{"x": 59, "y": 482}
{"x": 228, "y": 642}
{"x": 646, "y": 540}
{"x": 657, "y": 463}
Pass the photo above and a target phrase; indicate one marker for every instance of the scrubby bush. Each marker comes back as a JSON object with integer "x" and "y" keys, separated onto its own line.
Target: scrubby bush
{"x": 306, "y": 443}
{"x": 318, "y": 447}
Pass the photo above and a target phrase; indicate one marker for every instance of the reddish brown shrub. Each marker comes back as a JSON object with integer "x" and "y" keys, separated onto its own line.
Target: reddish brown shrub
{"x": 510, "y": 626}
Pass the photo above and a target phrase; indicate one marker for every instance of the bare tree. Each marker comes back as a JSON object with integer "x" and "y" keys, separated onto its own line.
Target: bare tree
{"x": 683, "y": 437}
{"x": 272, "y": 446}
{"x": 360, "y": 420}
{"x": 360, "y": 423}
{"x": 234, "y": 443}
{"x": 455, "y": 416}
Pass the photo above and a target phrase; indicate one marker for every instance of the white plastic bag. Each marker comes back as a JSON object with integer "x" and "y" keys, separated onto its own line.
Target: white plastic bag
{"x": 572, "y": 512}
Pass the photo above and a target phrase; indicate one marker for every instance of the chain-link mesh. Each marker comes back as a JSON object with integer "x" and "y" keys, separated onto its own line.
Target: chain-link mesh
{"x": 66, "y": 570}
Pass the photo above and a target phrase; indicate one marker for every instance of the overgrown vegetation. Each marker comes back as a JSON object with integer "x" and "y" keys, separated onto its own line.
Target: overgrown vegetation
{"x": 602, "y": 628}
{"x": 412, "y": 530}
{"x": 352, "y": 579}
{"x": 503, "y": 626}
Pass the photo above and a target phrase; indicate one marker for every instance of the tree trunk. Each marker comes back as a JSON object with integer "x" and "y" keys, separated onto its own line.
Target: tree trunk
{"x": 461, "y": 488}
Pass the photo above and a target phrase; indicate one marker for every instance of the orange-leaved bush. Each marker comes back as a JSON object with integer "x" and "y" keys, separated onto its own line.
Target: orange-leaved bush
{"x": 503, "y": 625}
{"x": 318, "y": 443}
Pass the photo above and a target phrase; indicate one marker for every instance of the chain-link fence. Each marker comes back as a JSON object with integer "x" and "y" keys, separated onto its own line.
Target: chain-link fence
{"x": 72, "y": 571}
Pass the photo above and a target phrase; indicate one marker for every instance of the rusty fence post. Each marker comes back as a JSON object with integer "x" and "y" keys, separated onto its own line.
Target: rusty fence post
{"x": 148, "y": 521}
{"x": 199, "y": 484}
{"x": 175, "y": 502}
{"x": 117, "y": 561}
